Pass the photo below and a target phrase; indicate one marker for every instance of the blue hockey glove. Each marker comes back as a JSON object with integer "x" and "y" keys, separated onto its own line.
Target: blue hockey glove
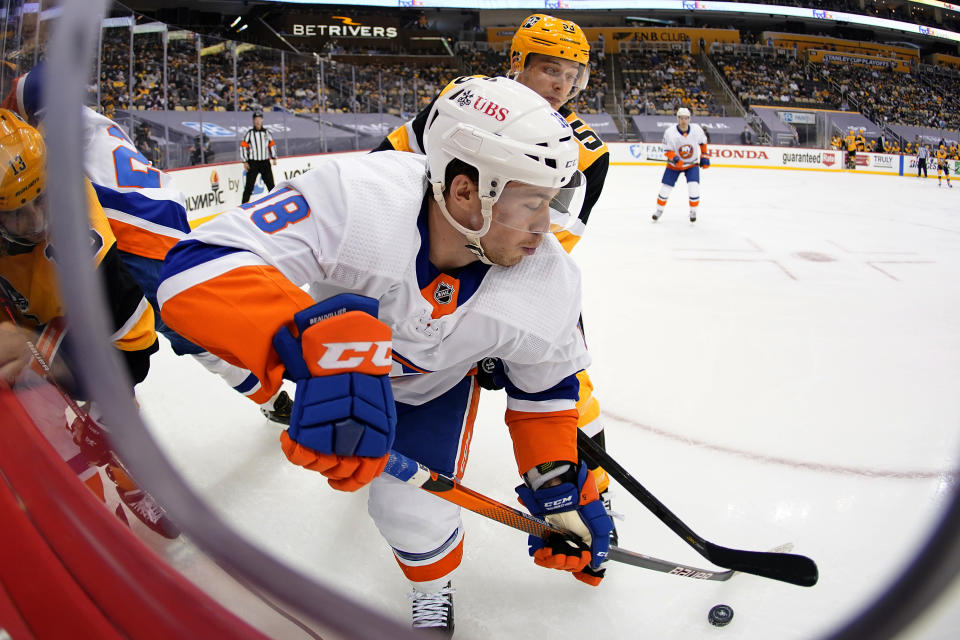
{"x": 573, "y": 505}
{"x": 677, "y": 162}
{"x": 343, "y": 418}
{"x": 704, "y": 162}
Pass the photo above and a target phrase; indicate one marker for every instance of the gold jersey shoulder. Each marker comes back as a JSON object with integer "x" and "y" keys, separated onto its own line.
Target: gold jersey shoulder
{"x": 591, "y": 146}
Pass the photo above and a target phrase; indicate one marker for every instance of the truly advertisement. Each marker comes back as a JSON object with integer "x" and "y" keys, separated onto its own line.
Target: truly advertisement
{"x": 885, "y": 162}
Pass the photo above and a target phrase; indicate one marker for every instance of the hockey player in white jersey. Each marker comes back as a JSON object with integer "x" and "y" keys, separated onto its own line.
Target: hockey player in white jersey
{"x": 380, "y": 308}
{"x": 685, "y": 147}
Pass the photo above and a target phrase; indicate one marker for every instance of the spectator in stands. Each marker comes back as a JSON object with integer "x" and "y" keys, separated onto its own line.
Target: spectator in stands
{"x": 204, "y": 156}
{"x": 746, "y": 137}
{"x": 146, "y": 145}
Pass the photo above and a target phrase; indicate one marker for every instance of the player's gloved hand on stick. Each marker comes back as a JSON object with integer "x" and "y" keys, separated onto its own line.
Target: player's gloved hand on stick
{"x": 573, "y": 505}
{"x": 704, "y": 162}
{"x": 343, "y": 417}
{"x": 676, "y": 161}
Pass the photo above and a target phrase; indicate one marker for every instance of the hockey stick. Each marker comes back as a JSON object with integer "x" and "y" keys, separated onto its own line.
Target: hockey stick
{"x": 47, "y": 374}
{"x": 412, "y": 472}
{"x": 786, "y": 567}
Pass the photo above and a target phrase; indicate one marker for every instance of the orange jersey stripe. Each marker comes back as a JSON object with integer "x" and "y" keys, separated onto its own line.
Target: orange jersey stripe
{"x": 133, "y": 239}
{"x": 436, "y": 570}
{"x": 467, "y": 434}
{"x": 235, "y": 316}
{"x": 542, "y": 437}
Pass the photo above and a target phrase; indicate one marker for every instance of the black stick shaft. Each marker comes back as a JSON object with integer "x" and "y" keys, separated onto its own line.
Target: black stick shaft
{"x": 786, "y": 567}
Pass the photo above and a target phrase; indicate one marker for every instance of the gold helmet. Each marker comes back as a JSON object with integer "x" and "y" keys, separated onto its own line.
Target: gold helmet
{"x": 23, "y": 156}
{"x": 551, "y": 36}
{"x": 23, "y": 220}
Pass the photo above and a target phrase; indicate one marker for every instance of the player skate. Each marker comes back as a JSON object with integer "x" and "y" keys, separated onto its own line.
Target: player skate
{"x": 93, "y": 440}
{"x": 433, "y": 610}
{"x": 140, "y": 502}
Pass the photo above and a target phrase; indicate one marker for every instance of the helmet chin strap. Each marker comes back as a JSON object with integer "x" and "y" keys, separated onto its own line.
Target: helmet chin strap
{"x": 473, "y": 237}
{"x": 13, "y": 245}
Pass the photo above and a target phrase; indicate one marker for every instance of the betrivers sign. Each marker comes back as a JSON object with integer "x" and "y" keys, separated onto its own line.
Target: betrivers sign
{"x": 341, "y": 27}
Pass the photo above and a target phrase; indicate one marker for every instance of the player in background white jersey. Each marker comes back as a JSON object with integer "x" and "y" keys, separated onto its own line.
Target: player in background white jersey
{"x": 685, "y": 146}
{"x": 147, "y": 214}
{"x": 379, "y": 311}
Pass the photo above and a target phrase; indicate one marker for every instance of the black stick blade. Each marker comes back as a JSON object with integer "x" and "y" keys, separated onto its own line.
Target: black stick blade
{"x": 786, "y": 567}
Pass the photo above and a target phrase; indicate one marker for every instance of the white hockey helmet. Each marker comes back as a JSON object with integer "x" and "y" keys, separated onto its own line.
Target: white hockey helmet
{"x": 683, "y": 111}
{"x": 508, "y": 133}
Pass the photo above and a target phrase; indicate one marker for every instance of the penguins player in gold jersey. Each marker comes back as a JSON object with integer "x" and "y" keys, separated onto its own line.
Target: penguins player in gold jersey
{"x": 35, "y": 337}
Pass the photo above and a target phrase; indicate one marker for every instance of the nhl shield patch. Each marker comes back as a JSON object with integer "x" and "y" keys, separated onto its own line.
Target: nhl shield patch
{"x": 443, "y": 294}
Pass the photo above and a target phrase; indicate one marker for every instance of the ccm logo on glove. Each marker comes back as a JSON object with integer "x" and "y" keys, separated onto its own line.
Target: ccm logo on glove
{"x": 349, "y": 355}
{"x": 564, "y": 503}
{"x": 335, "y": 340}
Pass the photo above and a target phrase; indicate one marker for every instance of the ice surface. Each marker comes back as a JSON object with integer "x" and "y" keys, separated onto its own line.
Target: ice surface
{"x": 784, "y": 370}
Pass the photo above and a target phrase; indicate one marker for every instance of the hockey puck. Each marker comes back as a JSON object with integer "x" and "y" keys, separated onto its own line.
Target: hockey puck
{"x": 720, "y": 615}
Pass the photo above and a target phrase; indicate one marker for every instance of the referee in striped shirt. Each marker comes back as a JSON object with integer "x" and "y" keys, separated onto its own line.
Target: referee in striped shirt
{"x": 257, "y": 150}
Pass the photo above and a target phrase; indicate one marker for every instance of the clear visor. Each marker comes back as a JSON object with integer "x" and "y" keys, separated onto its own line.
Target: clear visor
{"x": 583, "y": 77}
{"x": 532, "y": 209}
{"x": 26, "y": 225}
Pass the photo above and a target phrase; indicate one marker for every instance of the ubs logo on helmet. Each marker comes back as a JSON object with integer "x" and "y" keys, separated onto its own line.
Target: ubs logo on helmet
{"x": 490, "y": 108}
{"x": 466, "y": 98}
